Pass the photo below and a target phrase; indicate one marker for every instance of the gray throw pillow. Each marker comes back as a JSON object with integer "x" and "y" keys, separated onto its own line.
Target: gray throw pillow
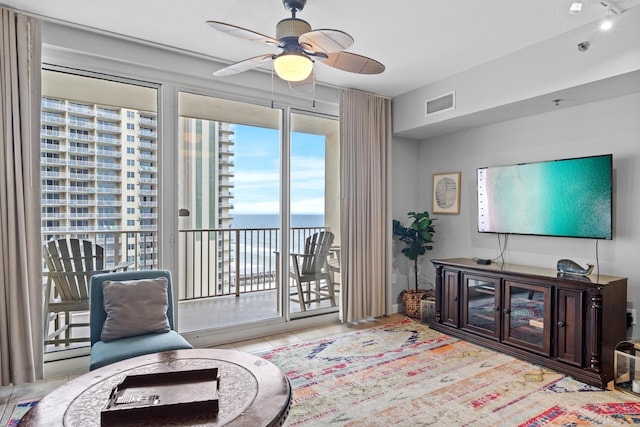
{"x": 134, "y": 307}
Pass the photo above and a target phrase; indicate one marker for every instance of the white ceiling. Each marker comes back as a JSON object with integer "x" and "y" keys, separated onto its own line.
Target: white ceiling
{"x": 419, "y": 41}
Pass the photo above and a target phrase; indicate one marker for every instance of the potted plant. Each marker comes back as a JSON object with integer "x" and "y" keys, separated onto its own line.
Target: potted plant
{"x": 417, "y": 239}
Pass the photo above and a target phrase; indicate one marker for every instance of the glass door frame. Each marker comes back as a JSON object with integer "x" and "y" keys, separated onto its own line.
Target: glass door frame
{"x": 284, "y": 244}
{"x": 290, "y": 114}
{"x": 538, "y": 326}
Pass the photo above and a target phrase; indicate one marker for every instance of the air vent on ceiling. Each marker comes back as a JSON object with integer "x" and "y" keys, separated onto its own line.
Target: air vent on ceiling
{"x": 441, "y": 103}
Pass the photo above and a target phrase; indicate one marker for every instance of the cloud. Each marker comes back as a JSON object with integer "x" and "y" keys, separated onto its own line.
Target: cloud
{"x": 265, "y": 208}
{"x": 309, "y": 206}
{"x": 257, "y": 184}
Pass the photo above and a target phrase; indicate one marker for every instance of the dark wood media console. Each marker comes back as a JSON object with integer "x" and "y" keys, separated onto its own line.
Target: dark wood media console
{"x": 567, "y": 323}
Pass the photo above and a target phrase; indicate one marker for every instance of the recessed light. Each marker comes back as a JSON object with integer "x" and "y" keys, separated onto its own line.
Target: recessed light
{"x": 575, "y": 8}
{"x": 606, "y": 24}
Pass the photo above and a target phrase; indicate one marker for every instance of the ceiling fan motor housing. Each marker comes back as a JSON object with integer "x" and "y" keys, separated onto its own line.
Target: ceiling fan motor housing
{"x": 291, "y": 28}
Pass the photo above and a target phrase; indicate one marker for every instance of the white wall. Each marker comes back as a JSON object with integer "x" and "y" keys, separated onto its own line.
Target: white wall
{"x": 609, "y": 126}
{"x": 405, "y": 197}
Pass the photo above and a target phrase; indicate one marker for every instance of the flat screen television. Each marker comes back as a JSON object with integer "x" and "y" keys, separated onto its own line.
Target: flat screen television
{"x": 566, "y": 198}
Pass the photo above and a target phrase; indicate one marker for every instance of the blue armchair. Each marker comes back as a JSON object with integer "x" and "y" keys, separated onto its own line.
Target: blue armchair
{"x": 130, "y": 340}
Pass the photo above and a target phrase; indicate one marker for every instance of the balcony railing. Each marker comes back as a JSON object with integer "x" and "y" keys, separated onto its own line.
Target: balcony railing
{"x": 213, "y": 262}
{"x": 234, "y": 261}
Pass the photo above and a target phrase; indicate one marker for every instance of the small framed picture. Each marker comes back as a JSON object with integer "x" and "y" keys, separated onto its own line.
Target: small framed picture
{"x": 446, "y": 193}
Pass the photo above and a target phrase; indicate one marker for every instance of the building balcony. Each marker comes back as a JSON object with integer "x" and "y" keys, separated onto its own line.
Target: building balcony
{"x": 53, "y": 188}
{"x": 107, "y": 114}
{"x": 51, "y": 147}
{"x": 81, "y": 109}
{"x": 148, "y": 157}
{"x": 49, "y": 174}
{"x": 73, "y": 202}
{"x": 108, "y": 190}
{"x": 82, "y": 215}
{"x": 82, "y": 163}
{"x": 109, "y": 153}
{"x": 80, "y": 137}
{"x": 109, "y": 128}
{"x": 109, "y": 165}
{"x": 49, "y": 104}
{"x": 148, "y": 145}
{"x": 82, "y": 176}
{"x": 54, "y": 202}
{"x": 100, "y": 202}
{"x": 80, "y": 150}
{"x": 84, "y": 190}
{"x": 52, "y": 133}
{"x": 82, "y": 124}
{"x": 53, "y": 215}
{"x": 148, "y": 121}
{"x": 44, "y": 160}
{"x": 108, "y": 140}
{"x": 110, "y": 178}
{"x": 147, "y": 133}
{"x": 52, "y": 119}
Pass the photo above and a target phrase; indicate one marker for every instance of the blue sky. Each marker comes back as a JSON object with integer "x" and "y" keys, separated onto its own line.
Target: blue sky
{"x": 257, "y": 171}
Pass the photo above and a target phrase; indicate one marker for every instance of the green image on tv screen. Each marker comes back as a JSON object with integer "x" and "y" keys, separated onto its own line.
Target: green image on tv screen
{"x": 570, "y": 197}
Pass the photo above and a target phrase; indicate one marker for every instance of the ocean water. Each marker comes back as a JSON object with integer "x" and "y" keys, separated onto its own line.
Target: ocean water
{"x": 269, "y": 221}
{"x": 256, "y": 249}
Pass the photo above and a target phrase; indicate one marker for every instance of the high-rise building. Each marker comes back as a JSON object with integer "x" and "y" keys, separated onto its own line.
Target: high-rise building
{"x": 206, "y": 199}
{"x": 99, "y": 177}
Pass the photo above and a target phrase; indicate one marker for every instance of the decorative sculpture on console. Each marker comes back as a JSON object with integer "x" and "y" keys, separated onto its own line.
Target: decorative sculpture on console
{"x": 566, "y": 266}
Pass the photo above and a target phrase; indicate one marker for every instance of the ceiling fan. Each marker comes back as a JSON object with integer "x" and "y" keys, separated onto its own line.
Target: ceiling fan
{"x": 299, "y": 48}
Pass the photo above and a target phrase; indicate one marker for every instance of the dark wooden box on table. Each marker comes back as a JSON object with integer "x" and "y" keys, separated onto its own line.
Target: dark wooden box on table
{"x": 161, "y": 394}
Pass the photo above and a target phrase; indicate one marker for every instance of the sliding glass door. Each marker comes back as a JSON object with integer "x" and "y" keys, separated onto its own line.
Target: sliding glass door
{"x": 235, "y": 168}
{"x": 314, "y": 277}
{"x": 228, "y": 207}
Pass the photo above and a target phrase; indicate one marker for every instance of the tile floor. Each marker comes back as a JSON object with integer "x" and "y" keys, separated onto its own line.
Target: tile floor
{"x": 9, "y": 395}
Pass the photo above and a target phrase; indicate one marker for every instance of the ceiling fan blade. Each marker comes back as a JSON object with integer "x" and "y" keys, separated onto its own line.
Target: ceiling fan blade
{"x": 305, "y": 86}
{"x": 351, "y": 62}
{"x": 245, "y": 65}
{"x": 325, "y": 41}
{"x": 242, "y": 33}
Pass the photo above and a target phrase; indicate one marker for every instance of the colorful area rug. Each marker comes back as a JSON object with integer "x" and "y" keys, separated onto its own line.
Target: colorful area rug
{"x": 19, "y": 410}
{"x": 405, "y": 374}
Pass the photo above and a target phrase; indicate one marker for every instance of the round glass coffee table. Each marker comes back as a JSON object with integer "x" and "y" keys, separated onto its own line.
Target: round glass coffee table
{"x": 252, "y": 391}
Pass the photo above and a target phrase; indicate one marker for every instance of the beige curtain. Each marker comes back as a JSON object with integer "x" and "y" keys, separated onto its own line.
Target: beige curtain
{"x": 21, "y": 319}
{"x": 365, "y": 218}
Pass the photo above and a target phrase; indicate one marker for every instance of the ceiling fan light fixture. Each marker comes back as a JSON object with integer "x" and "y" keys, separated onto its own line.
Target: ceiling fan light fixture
{"x": 293, "y": 67}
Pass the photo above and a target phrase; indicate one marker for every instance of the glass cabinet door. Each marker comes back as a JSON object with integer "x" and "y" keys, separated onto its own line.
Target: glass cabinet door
{"x": 527, "y": 317}
{"x": 482, "y": 305}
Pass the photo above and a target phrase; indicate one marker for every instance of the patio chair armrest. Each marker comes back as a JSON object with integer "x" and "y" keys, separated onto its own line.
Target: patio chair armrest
{"x": 297, "y": 255}
{"x": 121, "y": 266}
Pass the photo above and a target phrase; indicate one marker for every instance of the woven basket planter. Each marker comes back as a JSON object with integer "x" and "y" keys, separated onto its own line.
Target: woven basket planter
{"x": 412, "y": 301}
